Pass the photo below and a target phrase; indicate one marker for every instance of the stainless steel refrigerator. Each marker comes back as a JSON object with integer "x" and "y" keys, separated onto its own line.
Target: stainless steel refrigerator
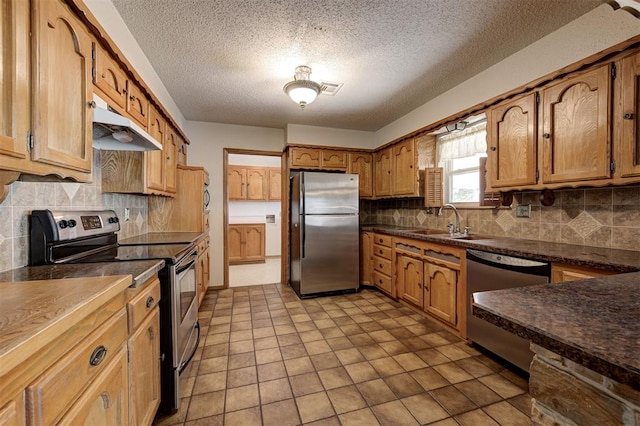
{"x": 324, "y": 233}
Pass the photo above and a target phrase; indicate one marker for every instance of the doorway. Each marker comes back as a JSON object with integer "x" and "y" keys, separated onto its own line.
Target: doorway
{"x": 253, "y": 218}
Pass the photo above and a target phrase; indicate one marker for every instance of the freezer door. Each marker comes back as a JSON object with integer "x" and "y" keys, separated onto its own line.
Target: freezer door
{"x": 330, "y": 193}
{"x": 329, "y": 254}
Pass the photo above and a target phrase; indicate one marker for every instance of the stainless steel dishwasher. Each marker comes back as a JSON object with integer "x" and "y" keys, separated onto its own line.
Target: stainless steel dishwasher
{"x": 490, "y": 271}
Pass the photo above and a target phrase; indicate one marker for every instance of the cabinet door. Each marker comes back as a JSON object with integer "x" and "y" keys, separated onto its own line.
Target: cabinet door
{"x": 106, "y": 400}
{"x": 440, "y": 292}
{"x": 576, "y": 141}
{"x": 382, "y": 177}
{"x": 275, "y": 184}
{"x": 629, "y": 149}
{"x": 62, "y": 88}
{"x": 235, "y": 243}
{"x": 256, "y": 184}
{"x": 333, "y": 160}
{"x": 237, "y": 182}
{"x": 12, "y": 413}
{"x": 512, "y": 143}
{"x": 171, "y": 161}
{"x": 409, "y": 273}
{"x": 304, "y": 158}
{"x": 144, "y": 370}
{"x": 14, "y": 82}
{"x": 366, "y": 257}
{"x": 207, "y": 269}
{"x": 109, "y": 78}
{"x": 254, "y": 243}
{"x": 362, "y": 165}
{"x": 155, "y": 160}
{"x": 404, "y": 171}
{"x": 137, "y": 105}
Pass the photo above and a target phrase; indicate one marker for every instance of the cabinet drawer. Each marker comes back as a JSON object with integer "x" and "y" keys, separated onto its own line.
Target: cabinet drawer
{"x": 383, "y": 240}
{"x": 382, "y": 281}
{"x": 381, "y": 251}
{"x": 143, "y": 303}
{"x": 382, "y": 265}
{"x": 51, "y": 394}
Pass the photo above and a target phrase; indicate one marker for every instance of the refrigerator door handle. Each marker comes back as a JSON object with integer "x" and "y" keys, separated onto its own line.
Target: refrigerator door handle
{"x": 302, "y": 215}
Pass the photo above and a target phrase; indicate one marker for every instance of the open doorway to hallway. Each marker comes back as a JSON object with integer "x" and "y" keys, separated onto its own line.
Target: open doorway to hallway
{"x": 254, "y": 218}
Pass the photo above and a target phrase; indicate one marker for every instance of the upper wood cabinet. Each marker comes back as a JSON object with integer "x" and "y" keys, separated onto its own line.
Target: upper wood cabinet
{"x": 62, "y": 89}
{"x": 628, "y": 156}
{"x": 275, "y": 184}
{"x": 382, "y": 172}
{"x": 109, "y": 79}
{"x": 138, "y": 105}
{"x": 404, "y": 169}
{"x": 361, "y": 163}
{"x": 253, "y": 183}
{"x": 333, "y": 160}
{"x": 155, "y": 160}
{"x": 14, "y": 81}
{"x": 511, "y": 144}
{"x": 304, "y": 158}
{"x": 576, "y": 131}
{"x": 170, "y": 151}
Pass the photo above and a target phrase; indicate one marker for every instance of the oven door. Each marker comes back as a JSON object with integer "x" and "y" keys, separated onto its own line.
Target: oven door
{"x": 185, "y": 311}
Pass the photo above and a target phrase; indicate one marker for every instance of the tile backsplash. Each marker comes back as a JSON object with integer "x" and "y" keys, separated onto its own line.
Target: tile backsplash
{"x": 603, "y": 217}
{"x": 29, "y": 195}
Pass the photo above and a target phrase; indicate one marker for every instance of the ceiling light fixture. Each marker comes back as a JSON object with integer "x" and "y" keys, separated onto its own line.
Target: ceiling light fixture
{"x": 302, "y": 90}
{"x": 460, "y": 125}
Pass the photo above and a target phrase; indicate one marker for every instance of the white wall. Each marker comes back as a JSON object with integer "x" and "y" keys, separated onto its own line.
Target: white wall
{"x": 589, "y": 34}
{"x": 109, "y": 17}
{"x": 312, "y": 135}
{"x": 208, "y": 141}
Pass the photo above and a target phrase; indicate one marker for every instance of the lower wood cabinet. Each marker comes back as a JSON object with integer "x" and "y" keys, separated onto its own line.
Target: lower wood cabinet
{"x": 246, "y": 243}
{"x": 144, "y": 352}
{"x": 202, "y": 269}
{"x": 561, "y": 273}
{"x": 366, "y": 257}
{"x": 410, "y": 279}
{"x": 432, "y": 277}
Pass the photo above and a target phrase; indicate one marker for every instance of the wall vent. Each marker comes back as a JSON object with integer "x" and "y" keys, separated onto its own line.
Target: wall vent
{"x": 329, "y": 88}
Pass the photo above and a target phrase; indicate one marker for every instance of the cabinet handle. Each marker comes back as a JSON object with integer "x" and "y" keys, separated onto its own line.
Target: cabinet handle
{"x": 380, "y": 240}
{"x": 132, "y": 98}
{"x": 150, "y": 301}
{"x": 546, "y": 135}
{"x": 152, "y": 335}
{"x": 420, "y": 285}
{"x": 106, "y": 401}
{"x": 380, "y": 251}
{"x": 98, "y": 355}
{"x": 493, "y": 148}
{"x": 92, "y": 104}
{"x": 628, "y": 116}
{"x": 381, "y": 265}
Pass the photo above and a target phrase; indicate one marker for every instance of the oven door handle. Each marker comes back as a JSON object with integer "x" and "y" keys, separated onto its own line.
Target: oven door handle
{"x": 185, "y": 363}
{"x": 182, "y": 268}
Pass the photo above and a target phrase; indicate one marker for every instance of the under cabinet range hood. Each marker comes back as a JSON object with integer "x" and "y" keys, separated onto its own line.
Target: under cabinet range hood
{"x": 115, "y": 132}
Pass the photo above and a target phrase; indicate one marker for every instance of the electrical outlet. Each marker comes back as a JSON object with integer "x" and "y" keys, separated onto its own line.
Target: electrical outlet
{"x": 126, "y": 214}
{"x": 523, "y": 210}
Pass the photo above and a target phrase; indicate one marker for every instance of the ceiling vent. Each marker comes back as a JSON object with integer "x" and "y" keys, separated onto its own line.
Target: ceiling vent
{"x": 329, "y": 88}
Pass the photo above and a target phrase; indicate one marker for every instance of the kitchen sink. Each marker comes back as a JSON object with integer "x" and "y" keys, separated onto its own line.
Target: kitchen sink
{"x": 444, "y": 234}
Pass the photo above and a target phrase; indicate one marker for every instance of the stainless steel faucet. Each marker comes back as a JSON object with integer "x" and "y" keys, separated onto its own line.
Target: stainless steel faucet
{"x": 455, "y": 230}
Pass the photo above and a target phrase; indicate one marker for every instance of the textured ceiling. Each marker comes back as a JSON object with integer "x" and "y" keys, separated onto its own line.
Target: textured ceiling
{"x": 226, "y": 61}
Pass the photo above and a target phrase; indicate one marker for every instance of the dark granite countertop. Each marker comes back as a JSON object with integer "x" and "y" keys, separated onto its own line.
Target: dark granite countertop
{"x": 597, "y": 257}
{"x": 140, "y": 270}
{"x": 162, "y": 238}
{"x": 591, "y": 322}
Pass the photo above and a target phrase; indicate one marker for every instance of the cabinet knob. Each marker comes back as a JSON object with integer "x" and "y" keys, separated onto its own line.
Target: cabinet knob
{"x": 150, "y": 301}
{"x": 132, "y": 98}
{"x": 546, "y": 135}
{"x": 628, "y": 116}
{"x": 493, "y": 148}
{"x": 98, "y": 355}
{"x": 92, "y": 104}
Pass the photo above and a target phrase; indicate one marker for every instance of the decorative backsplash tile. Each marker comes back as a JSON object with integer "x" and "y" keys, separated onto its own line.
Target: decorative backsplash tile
{"x": 602, "y": 217}
{"x": 29, "y": 195}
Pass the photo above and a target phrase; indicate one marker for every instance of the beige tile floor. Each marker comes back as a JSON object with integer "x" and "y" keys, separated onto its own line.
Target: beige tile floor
{"x": 268, "y": 358}
{"x": 255, "y": 273}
